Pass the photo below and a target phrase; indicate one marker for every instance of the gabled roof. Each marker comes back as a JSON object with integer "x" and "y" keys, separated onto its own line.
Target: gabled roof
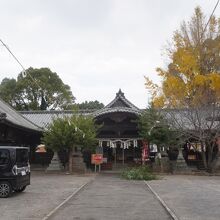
{"x": 8, "y": 114}
{"x": 121, "y": 101}
{"x": 118, "y": 104}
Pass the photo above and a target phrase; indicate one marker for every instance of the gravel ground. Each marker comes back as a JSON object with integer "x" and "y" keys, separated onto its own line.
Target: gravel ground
{"x": 44, "y": 194}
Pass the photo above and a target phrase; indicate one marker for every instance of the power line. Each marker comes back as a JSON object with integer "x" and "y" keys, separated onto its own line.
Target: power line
{"x": 25, "y": 73}
{"x": 13, "y": 55}
{"x": 24, "y": 70}
{"x": 210, "y": 17}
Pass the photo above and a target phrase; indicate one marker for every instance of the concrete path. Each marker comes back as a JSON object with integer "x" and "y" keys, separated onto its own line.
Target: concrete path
{"x": 110, "y": 198}
{"x": 190, "y": 197}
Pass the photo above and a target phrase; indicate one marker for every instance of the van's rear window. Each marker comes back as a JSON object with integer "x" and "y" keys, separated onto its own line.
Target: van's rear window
{"x": 22, "y": 156}
{"x": 4, "y": 157}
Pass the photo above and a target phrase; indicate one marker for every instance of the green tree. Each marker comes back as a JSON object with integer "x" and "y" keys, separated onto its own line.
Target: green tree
{"x": 67, "y": 133}
{"x": 90, "y": 105}
{"x": 39, "y": 89}
{"x": 155, "y": 129}
{"x": 8, "y": 91}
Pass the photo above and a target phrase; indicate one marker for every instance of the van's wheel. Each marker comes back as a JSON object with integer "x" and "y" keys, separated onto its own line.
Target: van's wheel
{"x": 20, "y": 189}
{"x": 5, "y": 189}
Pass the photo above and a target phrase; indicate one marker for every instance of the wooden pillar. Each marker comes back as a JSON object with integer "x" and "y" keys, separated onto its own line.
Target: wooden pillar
{"x": 123, "y": 155}
{"x": 115, "y": 155}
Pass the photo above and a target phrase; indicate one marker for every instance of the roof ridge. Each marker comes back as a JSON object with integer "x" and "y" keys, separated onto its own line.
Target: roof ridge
{"x": 120, "y": 95}
{"x": 56, "y": 111}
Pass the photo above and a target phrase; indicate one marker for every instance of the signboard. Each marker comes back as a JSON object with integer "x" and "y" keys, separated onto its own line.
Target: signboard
{"x": 97, "y": 159}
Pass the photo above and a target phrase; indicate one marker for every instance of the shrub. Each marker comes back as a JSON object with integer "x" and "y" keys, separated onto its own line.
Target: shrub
{"x": 138, "y": 173}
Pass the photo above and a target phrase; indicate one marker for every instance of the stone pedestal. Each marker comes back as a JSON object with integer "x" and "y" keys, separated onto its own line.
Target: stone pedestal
{"x": 180, "y": 165}
{"x": 78, "y": 164}
{"x": 55, "y": 164}
{"x": 165, "y": 165}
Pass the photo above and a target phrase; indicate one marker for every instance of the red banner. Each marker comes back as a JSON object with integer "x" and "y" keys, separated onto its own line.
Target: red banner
{"x": 145, "y": 151}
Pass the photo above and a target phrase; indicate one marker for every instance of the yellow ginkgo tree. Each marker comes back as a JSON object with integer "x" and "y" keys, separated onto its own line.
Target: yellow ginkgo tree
{"x": 193, "y": 75}
{"x": 190, "y": 85}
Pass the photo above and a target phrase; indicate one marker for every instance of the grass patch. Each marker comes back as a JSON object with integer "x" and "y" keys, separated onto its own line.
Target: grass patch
{"x": 138, "y": 173}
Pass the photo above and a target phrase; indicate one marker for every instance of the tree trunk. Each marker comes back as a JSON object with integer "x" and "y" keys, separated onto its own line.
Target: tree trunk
{"x": 204, "y": 160}
{"x": 204, "y": 155}
{"x": 210, "y": 164}
{"x": 71, "y": 160}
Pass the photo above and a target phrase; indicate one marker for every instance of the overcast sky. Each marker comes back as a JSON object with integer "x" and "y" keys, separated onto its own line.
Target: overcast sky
{"x": 95, "y": 46}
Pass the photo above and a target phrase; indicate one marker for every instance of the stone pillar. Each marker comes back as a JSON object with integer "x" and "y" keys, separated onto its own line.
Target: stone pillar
{"x": 55, "y": 164}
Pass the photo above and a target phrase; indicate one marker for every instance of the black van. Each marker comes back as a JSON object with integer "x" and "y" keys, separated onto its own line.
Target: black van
{"x": 14, "y": 170}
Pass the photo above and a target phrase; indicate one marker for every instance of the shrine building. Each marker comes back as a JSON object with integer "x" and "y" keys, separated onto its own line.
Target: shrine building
{"x": 118, "y": 136}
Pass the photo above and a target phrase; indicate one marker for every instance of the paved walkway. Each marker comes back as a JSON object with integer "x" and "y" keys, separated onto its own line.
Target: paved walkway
{"x": 190, "y": 197}
{"x": 110, "y": 198}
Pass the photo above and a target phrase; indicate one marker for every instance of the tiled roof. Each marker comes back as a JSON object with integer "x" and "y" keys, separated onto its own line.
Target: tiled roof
{"x": 44, "y": 118}
{"x": 119, "y": 104}
{"x": 193, "y": 119}
{"x": 116, "y": 109}
{"x": 9, "y": 114}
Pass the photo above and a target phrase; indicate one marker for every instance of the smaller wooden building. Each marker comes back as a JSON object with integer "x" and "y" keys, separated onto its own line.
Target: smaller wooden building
{"x": 16, "y": 129}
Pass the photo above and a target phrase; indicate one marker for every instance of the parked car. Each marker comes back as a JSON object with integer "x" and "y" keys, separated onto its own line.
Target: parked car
{"x": 14, "y": 170}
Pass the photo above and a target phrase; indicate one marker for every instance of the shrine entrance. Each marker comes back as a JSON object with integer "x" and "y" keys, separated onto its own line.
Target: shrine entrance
{"x": 118, "y": 137}
{"x": 121, "y": 152}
